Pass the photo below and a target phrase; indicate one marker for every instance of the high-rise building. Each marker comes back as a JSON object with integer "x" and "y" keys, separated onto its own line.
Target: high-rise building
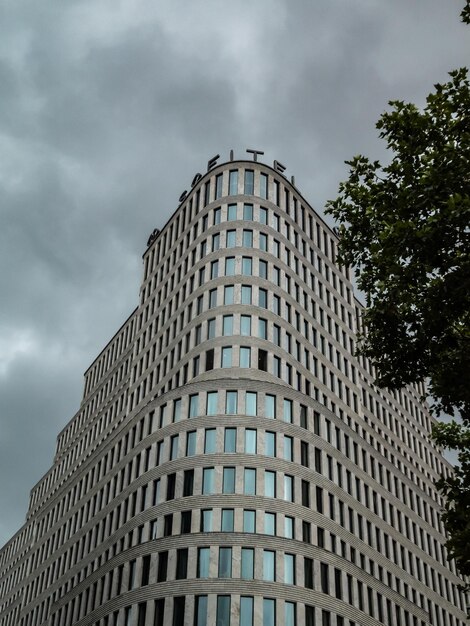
{"x": 232, "y": 462}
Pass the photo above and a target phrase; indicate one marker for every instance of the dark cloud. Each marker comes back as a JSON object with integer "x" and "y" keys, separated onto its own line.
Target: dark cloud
{"x": 108, "y": 108}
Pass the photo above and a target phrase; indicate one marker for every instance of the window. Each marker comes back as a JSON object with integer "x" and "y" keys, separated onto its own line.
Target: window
{"x": 209, "y": 441}
{"x": 228, "y": 480}
{"x": 277, "y": 334}
{"x": 247, "y": 238}
{"x": 251, "y": 403}
{"x": 231, "y": 239}
{"x": 206, "y": 521}
{"x": 263, "y": 242}
{"x": 263, "y": 187}
{"x": 289, "y": 569}
{"x": 250, "y": 441}
{"x": 225, "y": 563}
{"x": 288, "y": 448}
{"x": 288, "y": 411}
{"x": 181, "y": 563}
{"x": 233, "y": 183}
{"x": 309, "y": 615}
{"x": 263, "y": 215}
{"x": 188, "y": 483}
{"x": 263, "y": 298}
{"x": 270, "y": 484}
{"x": 214, "y": 269}
{"x": 248, "y": 212}
{"x": 218, "y": 186}
{"x": 270, "y": 406}
{"x": 211, "y": 408}
{"x": 200, "y": 611}
{"x": 324, "y": 578}
{"x": 289, "y": 488}
{"x": 289, "y": 614}
{"x": 231, "y": 402}
{"x": 227, "y": 521}
{"x": 230, "y": 440}
{"x": 174, "y": 447}
{"x": 145, "y": 570}
{"x": 230, "y": 266}
{"x": 216, "y": 241}
{"x": 269, "y": 612}
{"x": 288, "y": 527}
{"x": 231, "y": 212}
{"x": 245, "y": 325}
{"x": 191, "y": 443}
{"x": 203, "y": 562}
{"x": 131, "y": 574}
{"x": 170, "y": 486}
{"x": 246, "y": 611}
{"x": 208, "y": 480}
{"x": 270, "y": 443}
{"x": 226, "y": 356}
{"x": 162, "y": 566}
{"x": 209, "y": 359}
{"x": 247, "y": 266}
{"x": 249, "y": 182}
{"x": 212, "y": 298}
{"x": 177, "y": 410}
{"x": 262, "y": 360}
{"x": 263, "y": 269}
{"x": 248, "y": 564}
{"x": 269, "y": 523}
{"x": 217, "y": 213}
{"x": 246, "y": 294}
{"x": 193, "y": 405}
{"x": 227, "y": 325}
{"x": 223, "y": 610}
{"x": 269, "y": 567}
{"x": 249, "y": 481}
{"x": 308, "y": 573}
{"x": 245, "y": 356}
{"x": 262, "y": 328}
{"x": 249, "y": 521}
{"x": 228, "y": 294}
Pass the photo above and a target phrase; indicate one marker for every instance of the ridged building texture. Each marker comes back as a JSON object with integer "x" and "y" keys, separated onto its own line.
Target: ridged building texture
{"x": 232, "y": 462}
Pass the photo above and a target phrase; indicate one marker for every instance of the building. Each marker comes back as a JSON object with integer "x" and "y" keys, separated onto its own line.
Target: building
{"x": 232, "y": 462}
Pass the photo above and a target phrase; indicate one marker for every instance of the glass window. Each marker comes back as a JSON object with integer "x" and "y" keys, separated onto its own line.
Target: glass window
{"x": 289, "y": 569}
{"x": 231, "y": 212}
{"x": 230, "y": 440}
{"x": 178, "y": 610}
{"x": 289, "y": 488}
{"x": 217, "y": 213}
{"x": 263, "y": 215}
{"x": 247, "y": 238}
{"x": 249, "y": 182}
{"x": 231, "y": 239}
{"x": 270, "y": 443}
{"x": 177, "y": 410}
{"x": 227, "y": 325}
{"x": 191, "y": 443}
{"x": 225, "y": 562}
{"x": 263, "y": 298}
{"x": 288, "y": 448}
{"x": 209, "y": 441}
{"x": 277, "y": 334}
{"x": 200, "y": 611}
{"x": 214, "y": 269}
{"x": 277, "y": 366}
{"x": 249, "y": 482}
{"x": 188, "y": 483}
{"x": 263, "y": 269}
{"x": 227, "y": 521}
{"x": 208, "y": 480}
{"x": 228, "y": 480}
{"x": 270, "y": 406}
{"x": 289, "y": 614}
{"x": 212, "y": 298}
{"x": 228, "y": 294}
{"x": 216, "y": 241}
{"x": 262, "y": 328}
{"x": 276, "y": 305}
{"x": 276, "y": 222}
{"x": 231, "y": 401}
{"x": 288, "y": 411}
{"x": 174, "y": 447}
{"x": 263, "y": 242}
{"x": 227, "y": 356}
{"x": 248, "y": 564}
{"x": 249, "y": 521}
{"x": 270, "y": 484}
{"x": 251, "y": 403}
{"x": 247, "y": 266}
{"x": 246, "y": 611}
{"x": 211, "y": 408}
{"x": 211, "y": 328}
{"x": 206, "y": 521}
{"x": 269, "y": 612}
{"x": 270, "y": 523}
{"x": 277, "y": 276}
{"x": 289, "y": 527}
{"x": 263, "y": 186}
{"x": 245, "y": 356}
{"x": 233, "y": 183}
{"x": 250, "y": 440}
{"x": 218, "y": 186}
{"x": 203, "y": 562}
{"x": 246, "y": 294}
{"x": 223, "y": 610}
{"x": 248, "y": 212}
{"x": 181, "y": 563}
{"x": 269, "y": 567}
{"x": 245, "y": 325}
{"x": 230, "y": 266}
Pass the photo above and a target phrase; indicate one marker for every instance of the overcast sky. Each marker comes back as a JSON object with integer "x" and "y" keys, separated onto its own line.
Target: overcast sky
{"x": 107, "y": 110}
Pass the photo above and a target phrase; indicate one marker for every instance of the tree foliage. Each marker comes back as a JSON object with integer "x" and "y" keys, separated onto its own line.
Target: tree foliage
{"x": 405, "y": 226}
{"x": 465, "y": 14}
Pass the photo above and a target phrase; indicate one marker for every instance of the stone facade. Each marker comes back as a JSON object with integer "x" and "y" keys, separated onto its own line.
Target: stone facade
{"x": 232, "y": 462}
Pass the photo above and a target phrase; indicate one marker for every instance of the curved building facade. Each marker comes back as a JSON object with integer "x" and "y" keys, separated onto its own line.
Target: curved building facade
{"x": 232, "y": 462}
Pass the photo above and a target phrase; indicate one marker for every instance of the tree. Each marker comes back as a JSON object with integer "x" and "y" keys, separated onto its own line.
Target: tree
{"x": 405, "y": 227}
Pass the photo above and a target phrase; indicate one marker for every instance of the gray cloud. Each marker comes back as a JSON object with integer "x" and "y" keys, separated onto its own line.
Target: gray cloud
{"x": 108, "y": 108}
